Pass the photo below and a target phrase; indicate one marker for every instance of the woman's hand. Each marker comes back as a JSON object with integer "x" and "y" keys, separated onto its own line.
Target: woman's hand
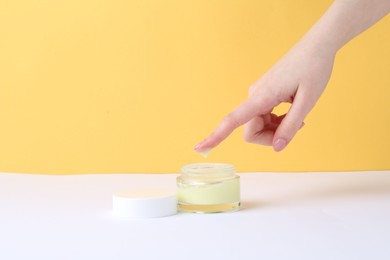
{"x": 298, "y": 78}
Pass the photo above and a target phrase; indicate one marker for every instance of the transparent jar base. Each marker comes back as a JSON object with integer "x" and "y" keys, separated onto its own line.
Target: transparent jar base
{"x": 219, "y": 208}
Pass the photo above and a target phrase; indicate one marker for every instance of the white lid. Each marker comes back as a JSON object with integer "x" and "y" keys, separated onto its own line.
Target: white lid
{"x": 144, "y": 203}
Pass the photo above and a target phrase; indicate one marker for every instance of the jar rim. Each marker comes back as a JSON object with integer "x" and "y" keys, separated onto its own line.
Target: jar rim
{"x": 211, "y": 170}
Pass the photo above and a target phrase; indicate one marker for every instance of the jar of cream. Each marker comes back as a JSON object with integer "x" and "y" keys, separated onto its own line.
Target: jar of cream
{"x": 208, "y": 188}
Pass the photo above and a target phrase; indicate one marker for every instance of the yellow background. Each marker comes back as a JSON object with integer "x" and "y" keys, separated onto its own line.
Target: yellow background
{"x": 92, "y": 86}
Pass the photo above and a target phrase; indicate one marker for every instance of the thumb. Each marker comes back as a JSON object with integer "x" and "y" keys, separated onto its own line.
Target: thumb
{"x": 292, "y": 122}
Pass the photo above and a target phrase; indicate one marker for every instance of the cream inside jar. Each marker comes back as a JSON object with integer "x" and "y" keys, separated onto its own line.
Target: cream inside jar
{"x": 208, "y": 188}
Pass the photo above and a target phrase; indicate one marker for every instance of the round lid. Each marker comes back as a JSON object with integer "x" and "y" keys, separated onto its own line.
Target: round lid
{"x": 144, "y": 203}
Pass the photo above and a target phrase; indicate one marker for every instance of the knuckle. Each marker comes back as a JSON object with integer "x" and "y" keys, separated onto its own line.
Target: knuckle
{"x": 231, "y": 121}
{"x": 252, "y": 89}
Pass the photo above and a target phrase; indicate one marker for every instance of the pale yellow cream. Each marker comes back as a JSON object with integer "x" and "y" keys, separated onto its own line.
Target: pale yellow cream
{"x": 210, "y": 194}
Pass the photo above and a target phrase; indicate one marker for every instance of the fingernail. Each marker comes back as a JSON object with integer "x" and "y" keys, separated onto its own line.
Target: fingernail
{"x": 280, "y": 144}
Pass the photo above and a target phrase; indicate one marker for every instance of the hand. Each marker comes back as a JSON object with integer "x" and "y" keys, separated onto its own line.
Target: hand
{"x": 298, "y": 78}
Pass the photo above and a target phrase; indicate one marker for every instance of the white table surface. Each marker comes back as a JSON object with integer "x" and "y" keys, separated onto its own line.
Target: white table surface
{"x": 284, "y": 216}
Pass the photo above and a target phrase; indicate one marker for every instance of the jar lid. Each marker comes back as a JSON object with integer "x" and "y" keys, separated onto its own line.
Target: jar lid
{"x": 144, "y": 203}
{"x": 208, "y": 170}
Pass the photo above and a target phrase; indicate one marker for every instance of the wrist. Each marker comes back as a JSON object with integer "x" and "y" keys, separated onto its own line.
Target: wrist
{"x": 327, "y": 36}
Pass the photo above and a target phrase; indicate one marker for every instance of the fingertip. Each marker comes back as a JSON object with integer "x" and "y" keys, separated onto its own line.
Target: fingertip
{"x": 279, "y": 144}
{"x": 202, "y": 146}
{"x": 196, "y": 147}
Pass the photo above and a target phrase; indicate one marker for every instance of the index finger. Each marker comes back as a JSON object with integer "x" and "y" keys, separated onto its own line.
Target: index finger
{"x": 242, "y": 114}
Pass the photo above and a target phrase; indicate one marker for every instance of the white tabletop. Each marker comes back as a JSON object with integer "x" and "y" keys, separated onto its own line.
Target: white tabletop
{"x": 284, "y": 216}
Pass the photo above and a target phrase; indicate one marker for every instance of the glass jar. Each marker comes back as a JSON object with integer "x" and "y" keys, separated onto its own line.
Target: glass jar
{"x": 208, "y": 188}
